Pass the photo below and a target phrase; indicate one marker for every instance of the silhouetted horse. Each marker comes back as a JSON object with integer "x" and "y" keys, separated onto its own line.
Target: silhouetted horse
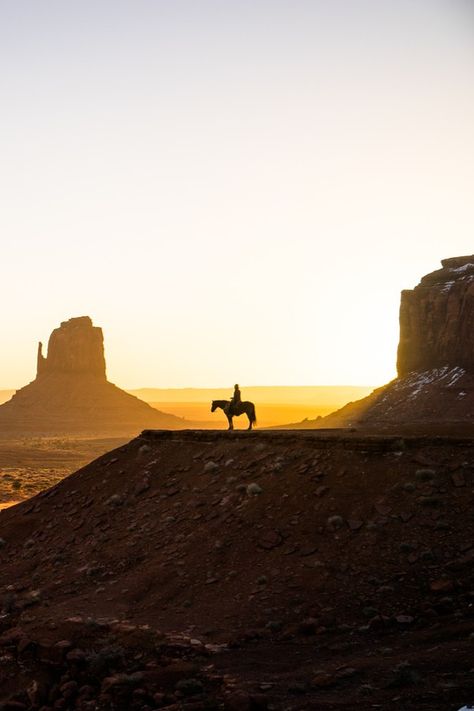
{"x": 244, "y": 408}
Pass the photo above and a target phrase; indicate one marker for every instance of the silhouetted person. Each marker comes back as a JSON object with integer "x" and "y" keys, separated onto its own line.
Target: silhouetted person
{"x": 235, "y": 400}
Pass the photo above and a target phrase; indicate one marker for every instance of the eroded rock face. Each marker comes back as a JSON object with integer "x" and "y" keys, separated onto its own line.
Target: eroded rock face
{"x": 76, "y": 347}
{"x": 437, "y": 320}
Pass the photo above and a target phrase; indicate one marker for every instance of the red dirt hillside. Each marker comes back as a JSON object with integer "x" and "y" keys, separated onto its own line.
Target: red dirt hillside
{"x": 331, "y": 566}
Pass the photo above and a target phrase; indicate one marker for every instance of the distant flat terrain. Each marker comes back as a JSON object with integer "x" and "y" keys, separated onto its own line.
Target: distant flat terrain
{"x": 6, "y": 395}
{"x": 29, "y": 466}
{"x": 325, "y": 396}
{"x": 268, "y": 414}
{"x": 275, "y": 405}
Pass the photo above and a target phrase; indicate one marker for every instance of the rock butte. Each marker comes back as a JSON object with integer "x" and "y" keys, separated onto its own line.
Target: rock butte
{"x": 435, "y": 364}
{"x": 71, "y": 393}
{"x": 76, "y": 347}
{"x": 437, "y": 320}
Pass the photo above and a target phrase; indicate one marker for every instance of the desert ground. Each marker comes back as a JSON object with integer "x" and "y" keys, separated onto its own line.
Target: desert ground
{"x": 285, "y": 571}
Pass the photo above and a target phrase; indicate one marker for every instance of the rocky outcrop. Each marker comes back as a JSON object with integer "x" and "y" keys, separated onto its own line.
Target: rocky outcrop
{"x": 76, "y": 347}
{"x": 71, "y": 394}
{"x": 435, "y": 384}
{"x": 437, "y": 320}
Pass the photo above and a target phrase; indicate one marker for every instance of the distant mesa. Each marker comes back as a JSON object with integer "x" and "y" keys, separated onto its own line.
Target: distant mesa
{"x": 435, "y": 363}
{"x": 75, "y": 348}
{"x": 71, "y": 393}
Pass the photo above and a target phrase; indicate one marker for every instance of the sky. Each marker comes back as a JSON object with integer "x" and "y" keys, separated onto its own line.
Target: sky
{"x": 234, "y": 190}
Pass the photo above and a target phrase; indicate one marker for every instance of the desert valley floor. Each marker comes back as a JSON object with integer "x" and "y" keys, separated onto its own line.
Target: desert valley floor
{"x": 30, "y": 465}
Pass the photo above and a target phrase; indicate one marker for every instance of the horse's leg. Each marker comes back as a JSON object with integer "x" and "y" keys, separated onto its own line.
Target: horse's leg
{"x": 250, "y": 422}
{"x": 231, "y": 424}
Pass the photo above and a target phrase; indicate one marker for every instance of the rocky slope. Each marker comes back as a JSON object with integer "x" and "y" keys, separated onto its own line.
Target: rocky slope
{"x": 332, "y": 568}
{"x": 71, "y": 393}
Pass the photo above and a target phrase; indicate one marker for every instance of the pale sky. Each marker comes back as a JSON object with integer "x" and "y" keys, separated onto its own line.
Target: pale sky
{"x": 234, "y": 190}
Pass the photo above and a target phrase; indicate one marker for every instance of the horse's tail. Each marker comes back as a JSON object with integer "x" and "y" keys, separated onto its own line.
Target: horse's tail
{"x": 253, "y": 416}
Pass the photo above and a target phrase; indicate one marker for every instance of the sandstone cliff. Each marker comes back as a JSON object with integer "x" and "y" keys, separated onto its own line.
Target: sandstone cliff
{"x": 435, "y": 383}
{"x": 437, "y": 320}
{"x": 76, "y": 347}
{"x": 71, "y": 394}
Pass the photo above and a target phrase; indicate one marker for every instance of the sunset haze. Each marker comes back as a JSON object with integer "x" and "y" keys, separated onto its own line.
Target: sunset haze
{"x": 232, "y": 190}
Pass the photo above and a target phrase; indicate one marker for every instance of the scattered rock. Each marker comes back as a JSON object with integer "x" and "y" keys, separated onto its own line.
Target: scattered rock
{"x": 441, "y": 586}
{"x": 406, "y": 547}
{"x": 114, "y": 500}
{"x": 190, "y": 687}
{"x": 370, "y": 611}
{"x": 404, "y": 675}
{"x": 458, "y": 479}
{"x": 322, "y": 680}
{"x": 298, "y": 687}
{"x": 334, "y": 523}
{"x": 382, "y": 509}
{"x": 274, "y": 625}
{"x": 321, "y": 490}
{"x": 270, "y": 539}
{"x": 425, "y": 475}
{"x": 307, "y": 550}
{"x": 309, "y": 626}
{"x": 142, "y": 486}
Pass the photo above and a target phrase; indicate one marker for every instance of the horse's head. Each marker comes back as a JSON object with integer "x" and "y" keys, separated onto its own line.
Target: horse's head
{"x": 213, "y": 406}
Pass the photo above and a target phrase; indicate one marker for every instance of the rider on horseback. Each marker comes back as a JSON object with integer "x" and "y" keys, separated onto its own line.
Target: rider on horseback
{"x": 235, "y": 401}
{"x": 235, "y": 407}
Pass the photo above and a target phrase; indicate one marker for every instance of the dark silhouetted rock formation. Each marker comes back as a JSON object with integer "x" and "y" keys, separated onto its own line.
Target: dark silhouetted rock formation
{"x": 435, "y": 383}
{"x": 437, "y": 320}
{"x": 71, "y": 394}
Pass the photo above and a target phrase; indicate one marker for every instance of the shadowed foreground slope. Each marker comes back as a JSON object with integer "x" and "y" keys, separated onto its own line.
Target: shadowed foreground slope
{"x": 333, "y": 567}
